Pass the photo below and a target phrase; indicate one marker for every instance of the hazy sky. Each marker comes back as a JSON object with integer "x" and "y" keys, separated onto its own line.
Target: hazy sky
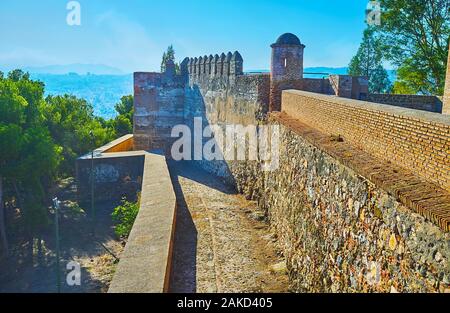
{"x": 132, "y": 34}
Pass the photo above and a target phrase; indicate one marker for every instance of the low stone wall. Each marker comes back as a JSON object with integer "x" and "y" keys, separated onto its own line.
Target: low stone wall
{"x": 417, "y": 102}
{"x": 145, "y": 264}
{"x": 117, "y": 171}
{"x": 338, "y": 227}
{"x": 416, "y": 140}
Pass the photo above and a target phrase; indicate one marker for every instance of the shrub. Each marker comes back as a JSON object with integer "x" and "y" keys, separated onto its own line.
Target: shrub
{"x": 124, "y": 216}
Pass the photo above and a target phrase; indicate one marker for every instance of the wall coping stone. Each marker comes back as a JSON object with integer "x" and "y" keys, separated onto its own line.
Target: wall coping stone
{"x": 145, "y": 264}
{"x": 371, "y": 106}
{"x": 109, "y": 146}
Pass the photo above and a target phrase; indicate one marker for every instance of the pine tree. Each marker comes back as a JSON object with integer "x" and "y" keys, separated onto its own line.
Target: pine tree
{"x": 169, "y": 55}
{"x": 368, "y": 61}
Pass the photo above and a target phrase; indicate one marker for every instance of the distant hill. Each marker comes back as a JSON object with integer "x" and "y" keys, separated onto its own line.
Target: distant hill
{"x": 80, "y": 69}
{"x": 106, "y": 85}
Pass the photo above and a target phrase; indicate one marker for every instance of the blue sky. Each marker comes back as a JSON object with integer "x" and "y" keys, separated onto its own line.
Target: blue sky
{"x": 132, "y": 34}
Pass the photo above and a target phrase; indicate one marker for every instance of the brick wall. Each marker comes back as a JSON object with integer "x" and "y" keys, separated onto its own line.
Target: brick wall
{"x": 419, "y": 141}
{"x": 417, "y": 102}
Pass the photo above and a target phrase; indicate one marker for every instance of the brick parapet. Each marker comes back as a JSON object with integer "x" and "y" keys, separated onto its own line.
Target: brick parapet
{"x": 418, "y": 194}
{"x": 415, "y": 140}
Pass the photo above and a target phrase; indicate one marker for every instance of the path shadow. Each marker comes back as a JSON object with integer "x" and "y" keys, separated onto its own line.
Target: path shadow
{"x": 183, "y": 277}
{"x": 192, "y": 170}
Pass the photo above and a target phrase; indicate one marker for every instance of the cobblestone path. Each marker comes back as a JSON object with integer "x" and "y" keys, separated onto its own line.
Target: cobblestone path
{"x": 221, "y": 243}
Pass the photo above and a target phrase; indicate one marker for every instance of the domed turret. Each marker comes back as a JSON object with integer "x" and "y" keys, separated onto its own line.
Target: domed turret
{"x": 288, "y": 39}
{"x": 287, "y": 58}
{"x": 286, "y": 67}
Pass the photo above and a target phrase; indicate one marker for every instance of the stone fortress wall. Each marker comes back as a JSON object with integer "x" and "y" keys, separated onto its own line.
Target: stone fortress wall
{"x": 360, "y": 201}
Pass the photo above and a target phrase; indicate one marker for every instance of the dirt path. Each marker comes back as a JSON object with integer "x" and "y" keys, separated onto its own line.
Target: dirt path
{"x": 221, "y": 241}
{"x": 77, "y": 244}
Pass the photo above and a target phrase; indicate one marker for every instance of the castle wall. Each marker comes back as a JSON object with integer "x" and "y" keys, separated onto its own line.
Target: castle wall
{"x": 417, "y": 102}
{"x": 317, "y": 85}
{"x": 413, "y": 139}
{"x": 348, "y": 219}
{"x": 221, "y": 100}
{"x": 158, "y": 106}
{"x": 341, "y": 232}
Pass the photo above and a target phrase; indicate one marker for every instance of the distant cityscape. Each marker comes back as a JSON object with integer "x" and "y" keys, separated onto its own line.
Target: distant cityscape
{"x": 103, "y": 86}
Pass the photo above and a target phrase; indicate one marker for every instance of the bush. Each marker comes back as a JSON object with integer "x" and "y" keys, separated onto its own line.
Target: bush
{"x": 124, "y": 216}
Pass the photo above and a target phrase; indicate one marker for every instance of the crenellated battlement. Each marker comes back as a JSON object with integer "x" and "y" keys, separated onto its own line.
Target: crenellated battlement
{"x": 223, "y": 66}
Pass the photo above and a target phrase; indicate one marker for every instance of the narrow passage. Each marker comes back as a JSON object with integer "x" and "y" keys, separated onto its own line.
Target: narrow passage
{"x": 221, "y": 242}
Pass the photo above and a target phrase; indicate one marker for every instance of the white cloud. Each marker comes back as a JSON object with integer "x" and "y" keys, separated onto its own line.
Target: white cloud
{"x": 126, "y": 44}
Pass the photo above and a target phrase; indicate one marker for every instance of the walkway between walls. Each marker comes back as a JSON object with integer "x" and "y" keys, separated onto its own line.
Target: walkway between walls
{"x": 221, "y": 242}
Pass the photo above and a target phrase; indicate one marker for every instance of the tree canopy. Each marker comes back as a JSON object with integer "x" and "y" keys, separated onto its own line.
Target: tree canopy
{"x": 368, "y": 61}
{"x": 169, "y": 55}
{"x": 29, "y": 157}
{"x": 41, "y": 139}
{"x": 416, "y": 35}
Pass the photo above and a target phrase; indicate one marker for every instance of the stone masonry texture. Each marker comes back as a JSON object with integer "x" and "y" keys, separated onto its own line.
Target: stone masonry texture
{"x": 340, "y": 233}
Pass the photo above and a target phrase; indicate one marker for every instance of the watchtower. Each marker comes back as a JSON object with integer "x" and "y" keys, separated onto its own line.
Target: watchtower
{"x": 287, "y": 58}
{"x": 286, "y": 69}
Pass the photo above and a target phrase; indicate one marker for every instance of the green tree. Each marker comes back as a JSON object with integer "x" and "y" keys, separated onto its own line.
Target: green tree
{"x": 416, "y": 34}
{"x": 169, "y": 55}
{"x": 124, "y": 216}
{"x": 123, "y": 123}
{"x": 125, "y": 106}
{"x": 368, "y": 61}
{"x": 69, "y": 121}
{"x": 30, "y": 157}
{"x": 12, "y": 116}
